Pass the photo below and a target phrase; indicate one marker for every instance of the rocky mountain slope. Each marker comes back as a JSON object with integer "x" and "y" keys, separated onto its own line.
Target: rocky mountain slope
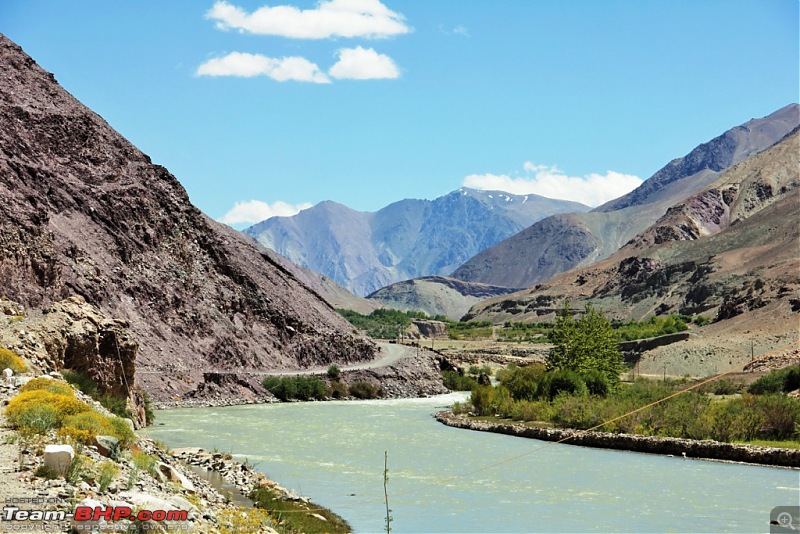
{"x": 365, "y": 251}
{"x": 435, "y": 295}
{"x": 728, "y": 250}
{"x": 85, "y": 213}
{"x": 561, "y": 242}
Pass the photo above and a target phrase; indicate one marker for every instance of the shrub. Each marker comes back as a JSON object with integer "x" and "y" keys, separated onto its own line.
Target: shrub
{"x": 489, "y": 400}
{"x": 780, "y": 380}
{"x": 781, "y": 415}
{"x": 145, "y": 462}
{"x": 735, "y": 420}
{"x": 565, "y": 381}
{"x": 46, "y": 472}
{"x": 37, "y": 418}
{"x": 681, "y": 416}
{"x": 337, "y": 390}
{"x": 81, "y": 381}
{"x": 459, "y": 408}
{"x": 10, "y": 360}
{"x": 531, "y": 411}
{"x": 365, "y": 390}
{"x": 48, "y": 384}
{"x": 526, "y": 383}
{"x": 84, "y": 427}
{"x": 596, "y": 382}
{"x": 475, "y": 371}
{"x": 239, "y": 519}
{"x": 575, "y": 411}
{"x": 149, "y": 413}
{"x": 295, "y": 387}
{"x": 723, "y": 386}
{"x": 454, "y": 381}
{"x": 108, "y": 472}
{"x": 334, "y": 372}
{"x": 116, "y": 404}
{"x": 19, "y": 407}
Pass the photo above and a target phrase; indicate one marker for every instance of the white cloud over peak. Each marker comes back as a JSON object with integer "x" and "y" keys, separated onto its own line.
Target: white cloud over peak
{"x": 363, "y": 64}
{"x": 247, "y": 65}
{"x": 255, "y": 211}
{"x": 332, "y": 18}
{"x": 549, "y": 181}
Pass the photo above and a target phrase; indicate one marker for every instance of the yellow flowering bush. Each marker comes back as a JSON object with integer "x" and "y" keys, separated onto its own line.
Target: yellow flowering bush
{"x": 48, "y": 384}
{"x": 10, "y": 360}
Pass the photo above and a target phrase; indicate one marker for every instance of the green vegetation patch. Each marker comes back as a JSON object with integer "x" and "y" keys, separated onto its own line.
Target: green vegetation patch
{"x": 382, "y": 323}
{"x": 653, "y": 327}
{"x": 778, "y": 381}
{"x": 116, "y": 404}
{"x": 746, "y": 418}
{"x": 470, "y": 330}
{"x": 298, "y": 516}
{"x": 300, "y": 387}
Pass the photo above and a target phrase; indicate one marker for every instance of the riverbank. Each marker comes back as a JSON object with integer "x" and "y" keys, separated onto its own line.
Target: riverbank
{"x": 703, "y": 449}
{"x": 147, "y": 476}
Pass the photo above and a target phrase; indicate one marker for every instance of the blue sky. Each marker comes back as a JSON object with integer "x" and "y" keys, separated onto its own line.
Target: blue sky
{"x": 281, "y": 105}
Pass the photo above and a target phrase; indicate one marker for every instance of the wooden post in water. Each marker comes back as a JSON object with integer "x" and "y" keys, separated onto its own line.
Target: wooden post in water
{"x": 386, "y": 491}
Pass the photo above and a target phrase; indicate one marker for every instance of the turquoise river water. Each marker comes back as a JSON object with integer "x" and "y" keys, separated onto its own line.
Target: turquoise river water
{"x": 333, "y": 453}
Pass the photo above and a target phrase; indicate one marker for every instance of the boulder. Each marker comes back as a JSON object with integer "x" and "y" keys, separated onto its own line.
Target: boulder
{"x": 108, "y": 446}
{"x": 58, "y": 457}
{"x": 176, "y": 476}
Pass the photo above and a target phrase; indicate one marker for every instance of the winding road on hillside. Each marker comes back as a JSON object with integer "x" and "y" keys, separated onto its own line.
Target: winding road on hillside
{"x": 390, "y": 354}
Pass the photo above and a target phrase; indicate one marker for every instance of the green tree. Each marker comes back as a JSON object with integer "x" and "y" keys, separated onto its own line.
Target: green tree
{"x": 585, "y": 345}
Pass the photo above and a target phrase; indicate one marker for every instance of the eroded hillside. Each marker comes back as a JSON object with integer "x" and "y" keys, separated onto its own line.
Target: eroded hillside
{"x": 84, "y": 212}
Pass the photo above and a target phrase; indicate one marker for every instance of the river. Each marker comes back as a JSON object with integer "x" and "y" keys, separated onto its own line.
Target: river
{"x": 333, "y": 452}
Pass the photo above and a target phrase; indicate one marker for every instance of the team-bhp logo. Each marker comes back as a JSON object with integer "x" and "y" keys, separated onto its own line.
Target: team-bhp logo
{"x": 24, "y": 518}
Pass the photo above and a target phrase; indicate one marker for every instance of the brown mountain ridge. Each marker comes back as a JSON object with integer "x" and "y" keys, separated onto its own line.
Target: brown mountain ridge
{"x": 726, "y": 250}
{"x": 84, "y": 212}
{"x": 562, "y": 242}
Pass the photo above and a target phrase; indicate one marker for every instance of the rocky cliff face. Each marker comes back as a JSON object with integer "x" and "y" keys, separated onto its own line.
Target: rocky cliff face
{"x": 559, "y": 243}
{"x": 86, "y": 213}
{"x": 407, "y": 239}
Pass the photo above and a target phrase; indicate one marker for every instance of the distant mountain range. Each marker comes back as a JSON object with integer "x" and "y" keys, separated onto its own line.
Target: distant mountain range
{"x": 728, "y": 249}
{"x": 364, "y": 251}
{"x": 563, "y": 241}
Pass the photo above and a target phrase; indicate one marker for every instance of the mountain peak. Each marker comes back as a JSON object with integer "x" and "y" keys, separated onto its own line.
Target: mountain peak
{"x": 406, "y": 239}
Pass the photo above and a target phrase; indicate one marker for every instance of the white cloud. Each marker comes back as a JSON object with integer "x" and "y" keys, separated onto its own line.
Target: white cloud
{"x": 458, "y": 30}
{"x": 363, "y": 64}
{"x": 332, "y": 18}
{"x": 255, "y": 211}
{"x": 592, "y": 189}
{"x": 248, "y": 65}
